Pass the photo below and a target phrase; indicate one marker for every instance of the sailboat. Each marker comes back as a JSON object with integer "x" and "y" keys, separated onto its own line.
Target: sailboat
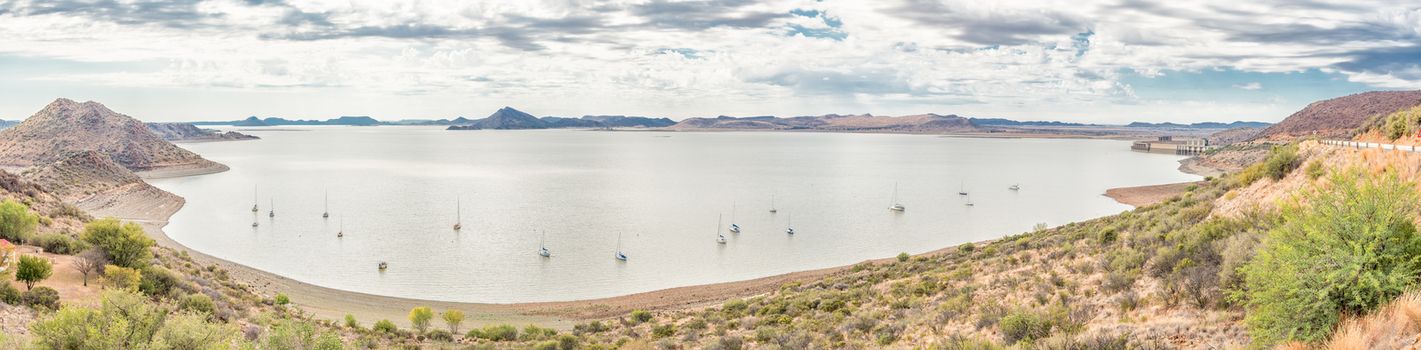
{"x": 341, "y": 232}
{"x": 733, "y": 227}
{"x": 254, "y": 200}
{"x": 772, "y": 204}
{"x": 619, "y": 255}
{"x": 719, "y": 237}
{"x": 543, "y": 248}
{"x": 969, "y": 201}
{"x": 894, "y": 205}
{"x": 327, "y": 213}
{"x": 789, "y": 226}
{"x": 458, "y": 214}
{"x": 383, "y": 266}
{"x": 1014, "y": 187}
{"x": 962, "y": 190}
{"x": 272, "y": 212}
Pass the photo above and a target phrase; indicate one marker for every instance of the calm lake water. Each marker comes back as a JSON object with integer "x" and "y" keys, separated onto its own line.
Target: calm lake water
{"x": 395, "y": 190}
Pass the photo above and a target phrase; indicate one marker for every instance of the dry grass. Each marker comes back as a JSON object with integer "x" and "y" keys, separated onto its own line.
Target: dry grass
{"x": 1396, "y": 326}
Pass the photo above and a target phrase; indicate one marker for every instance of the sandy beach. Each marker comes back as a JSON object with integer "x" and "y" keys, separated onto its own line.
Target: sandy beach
{"x": 1140, "y": 196}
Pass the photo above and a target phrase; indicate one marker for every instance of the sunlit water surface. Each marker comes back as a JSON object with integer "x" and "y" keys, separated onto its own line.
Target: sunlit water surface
{"x": 395, "y": 190}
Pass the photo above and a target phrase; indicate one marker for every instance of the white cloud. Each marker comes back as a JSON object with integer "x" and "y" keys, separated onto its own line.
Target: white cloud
{"x": 575, "y": 57}
{"x": 1253, "y": 86}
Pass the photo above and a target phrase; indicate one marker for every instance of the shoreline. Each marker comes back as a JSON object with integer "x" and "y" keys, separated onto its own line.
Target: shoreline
{"x": 334, "y": 304}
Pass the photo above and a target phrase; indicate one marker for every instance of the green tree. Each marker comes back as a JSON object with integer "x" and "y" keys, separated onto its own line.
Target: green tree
{"x": 420, "y": 317}
{"x": 1340, "y": 249}
{"x": 33, "y": 269}
{"x": 190, "y": 331}
{"x": 16, "y": 222}
{"x": 124, "y": 320}
{"x": 453, "y": 318}
{"x": 122, "y": 278}
{"x": 125, "y": 244}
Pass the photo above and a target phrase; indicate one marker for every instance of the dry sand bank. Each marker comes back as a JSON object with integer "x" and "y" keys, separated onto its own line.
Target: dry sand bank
{"x": 1146, "y": 195}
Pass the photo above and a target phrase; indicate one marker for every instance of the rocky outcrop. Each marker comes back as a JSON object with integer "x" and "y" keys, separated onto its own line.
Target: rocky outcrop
{"x": 179, "y": 132}
{"x": 1340, "y": 117}
{"x": 65, "y": 127}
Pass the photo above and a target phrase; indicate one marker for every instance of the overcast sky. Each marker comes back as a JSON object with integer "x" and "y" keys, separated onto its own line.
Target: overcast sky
{"x": 1104, "y": 62}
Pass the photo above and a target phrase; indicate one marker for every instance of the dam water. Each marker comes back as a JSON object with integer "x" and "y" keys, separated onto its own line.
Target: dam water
{"x": 392, "y": 190}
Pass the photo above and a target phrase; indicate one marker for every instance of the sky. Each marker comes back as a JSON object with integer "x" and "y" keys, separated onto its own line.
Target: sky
{"x": 1113, "y": 61}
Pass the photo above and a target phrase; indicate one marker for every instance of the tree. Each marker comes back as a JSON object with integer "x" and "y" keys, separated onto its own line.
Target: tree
{"x": 32, "y": 270}
{"x": 122, "y": 278}
{"x": 123, "y": 244}
{"x": 16, "y": 222}
{"x": 124, "y": 320}
{"x": 453, "y": 318}
{"x": 1339, "y": 250}
{"x": 420, "y": 317}
{"x": 189, "y": 331}
{"x": 89, "y": 262}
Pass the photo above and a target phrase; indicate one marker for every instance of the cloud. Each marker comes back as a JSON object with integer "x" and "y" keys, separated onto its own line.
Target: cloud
{"x": 1253, "y": 86}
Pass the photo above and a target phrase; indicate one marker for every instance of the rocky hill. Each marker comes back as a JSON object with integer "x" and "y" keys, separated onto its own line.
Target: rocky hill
{"x": 94, "y": 183}
{"x": 187, "y": 132}
{"x": 1340, "y": 117}
{"x": 503, "y": 119}
{"x": 926, "y": 123}
{"x": 66, "y": 126}
{"x": 621, "y": 121}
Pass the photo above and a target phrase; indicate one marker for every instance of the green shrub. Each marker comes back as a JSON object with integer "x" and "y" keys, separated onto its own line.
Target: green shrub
{"x": 1281, "y": 162}
{"x": 282, "y": 299}
{"x": 440, "y": 334}
{"x": 501, "y": 332}
{"x": 198, "y": 303}
{"x": 567, "y": 342}
{"x": 159, "y": 281}
{"x": 903, "y": 257}
{"x": 17, "y": 224}
{"x": 59, "y": 244}
{"x": 124, "y": 278}
{"x": 1344, "y": 249}
{"x": 420, "y": 316}
{"x": 350, "y": 322}
{"x": 8, "y": 294}
{"x": 967, "y": 247}
{"x": 640, "y": 316}
{"x": 41, "y": 297}
{"x": 385, "y": 326}
{"x": 1023, "y": 325}
{"x": 663, "y": 330}
{"x": 1315, "y": 170}
{"x": 533, "y": 332}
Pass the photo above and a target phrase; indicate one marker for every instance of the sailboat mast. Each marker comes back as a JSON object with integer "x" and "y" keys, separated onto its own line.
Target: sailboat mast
{"x": 459, "y": 210}
{"x": 895, "y": 193}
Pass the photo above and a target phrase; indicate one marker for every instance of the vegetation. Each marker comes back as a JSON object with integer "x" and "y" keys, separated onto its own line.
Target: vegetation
{"x": 1402, "y": 123}
{"x": 384, "y": 326}
{"x": 420, "y": 317}
{"x": 32, "y": 269}
{"x": 1344, "y": 249}
{"x": 17, "y": 224}
{"x": 1280, "y": 162}
{"x": 89, "y": 262}
{"x": 124, "y": 245}
{"x": 453, "y": 318}
{"x": 122, "y": 278}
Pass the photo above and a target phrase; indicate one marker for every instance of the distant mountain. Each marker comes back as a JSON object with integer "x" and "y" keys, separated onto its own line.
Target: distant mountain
{"x": 250, "y": 121}
{"x": 4, "y": 124}
{"x": 560, "y": 122}
{"x": 835, "y": 122}
{"x": 505, "y": 118}
{"x": 189, "y": 132}
{"x": 1203, "y": 125}
{"x": 619, "y": 121}
{"x": 279, "y": 121}
{"x": 65, "y": 126}
{"x": 1009, "y": 122}
{"x": 1340, "y": 117}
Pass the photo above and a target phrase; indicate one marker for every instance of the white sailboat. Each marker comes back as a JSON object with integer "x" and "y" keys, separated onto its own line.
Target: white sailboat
{"x": 719, "y": 237}
{"x": 542, "y": 247}
{"x": 458, "y": 214}
{"x": 772, "y": 204}
{"x": 962, "y": 189}
{"x": 619, "y": 255}
{"x": 326, "y": 214}
{"x": 341, "y": 232}
{"x": 254, "y": 200}
{"x": 272, "y": 212}
{"x": 894, "y": 206}
{"x": 789, "y": 226}
{"x": 733, "y": 226}
{"x": 1014, "y": 187}
{"x": 969, "y": 201}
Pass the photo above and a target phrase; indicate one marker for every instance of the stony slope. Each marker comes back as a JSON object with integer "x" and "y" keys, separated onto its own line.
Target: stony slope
{"x": 96, "y": 184}
{"x": 190, "y": 132}
{"x": 66, "y": 126}
{"x": 1340, "y": 117}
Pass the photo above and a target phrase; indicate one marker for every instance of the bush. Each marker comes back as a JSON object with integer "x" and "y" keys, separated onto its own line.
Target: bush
{"x": 124, "y": 278}
{"x": 453, "y": 318}
{"x": 532, "y": 332}
{"x": 420, "y": 317}
{"x": 1340, "y": 250}
{"x": 903, "y": 257}
{"x": 495, "y": 333}
{"x": 158, "y": 281}
{"x": 664, "y": 330}
{"x": 282, "y": 299}
{"x": 198, "y": 303}
{"x": 17, "y": 224}
{"x": 567, "y": 342}
{"x": 125, "y": 244}
{"x": 33, "y": 269}
{"x": 350, "y": 322}
{"x": 59, "y": 244}
{"x": 41, "y": 296}
{"x": 8, "y": 294}
{"x": 640, "y": 316}
{"x": 385, "y": 326}
{"x": 440, "y": 335}
{"x": 1023, "y": 326}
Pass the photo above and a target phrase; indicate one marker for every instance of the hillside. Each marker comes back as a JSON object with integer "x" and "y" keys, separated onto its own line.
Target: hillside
{"x": 65, "y": 126}
{"x": 176, "y": 132}
{"x": 505, "y": 118}
{"x": 99, "y": 186}
{"x": 1340, "y": 117}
